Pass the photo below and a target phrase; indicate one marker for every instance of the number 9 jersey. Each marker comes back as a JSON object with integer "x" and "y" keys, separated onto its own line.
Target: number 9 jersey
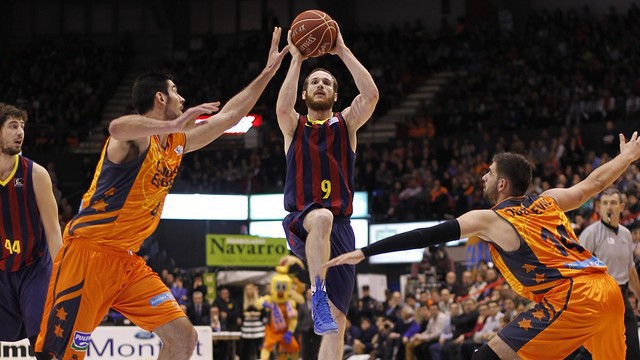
{"x": 320, "y": 166}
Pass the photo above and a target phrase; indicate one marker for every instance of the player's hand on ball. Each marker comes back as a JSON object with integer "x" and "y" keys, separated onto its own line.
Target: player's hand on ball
{"x": 340, "y": 45}
{"x": 295, "y": 52}
{"x": 350, "y": 258}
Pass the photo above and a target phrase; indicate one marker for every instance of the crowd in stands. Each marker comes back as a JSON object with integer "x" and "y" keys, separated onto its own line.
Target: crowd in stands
{"x": 558, "y": 91}
{"x": 63, "y": 84}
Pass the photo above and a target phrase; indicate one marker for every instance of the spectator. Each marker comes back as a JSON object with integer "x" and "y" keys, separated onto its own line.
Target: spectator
{"x": 229, "y": 313}
{"x": 198, "y": 310}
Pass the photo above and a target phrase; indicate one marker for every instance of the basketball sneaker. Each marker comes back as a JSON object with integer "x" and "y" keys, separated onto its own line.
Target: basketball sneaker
{"x": 323, "y": 322}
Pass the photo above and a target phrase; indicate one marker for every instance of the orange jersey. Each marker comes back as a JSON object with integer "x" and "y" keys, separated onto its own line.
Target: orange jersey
{"x": 549, "y": 252}
{"x": 123, "y": 205}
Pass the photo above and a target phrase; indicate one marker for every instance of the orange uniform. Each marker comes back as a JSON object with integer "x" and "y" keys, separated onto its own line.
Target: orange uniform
{"x": 97, "y": 268}
{"x": 578, "y": 303}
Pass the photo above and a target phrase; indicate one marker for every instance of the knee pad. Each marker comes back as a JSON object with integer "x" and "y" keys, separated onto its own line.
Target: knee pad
{"x": 485, "y": 353}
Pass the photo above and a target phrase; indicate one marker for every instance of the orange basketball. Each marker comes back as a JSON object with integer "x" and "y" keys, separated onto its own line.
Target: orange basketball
{"x": 314, "y": 33}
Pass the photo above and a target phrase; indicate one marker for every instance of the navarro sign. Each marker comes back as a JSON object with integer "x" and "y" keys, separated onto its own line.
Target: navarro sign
{"x": 244, "y": 250}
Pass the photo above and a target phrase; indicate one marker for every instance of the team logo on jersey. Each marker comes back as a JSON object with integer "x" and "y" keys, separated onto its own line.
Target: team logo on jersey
{"x": 80, "y": 341}
{"x": 18, "y": 182}
{"x": 611, "y": 240}
{"x": 179, "y": 150}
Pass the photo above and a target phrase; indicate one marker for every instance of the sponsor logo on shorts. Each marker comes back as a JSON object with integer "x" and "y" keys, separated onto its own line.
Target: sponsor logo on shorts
{"x": 80, "y": 341}
{"x": 159, "y": 299}
{"x": 179, "y": 150}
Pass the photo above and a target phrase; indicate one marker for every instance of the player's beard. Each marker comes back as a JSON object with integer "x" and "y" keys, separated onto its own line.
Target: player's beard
{"x": 319, "y": 105}
{"x": 7, "y": 150}
{"x": 169, "y": 113}
{"x": 491, "y": 194}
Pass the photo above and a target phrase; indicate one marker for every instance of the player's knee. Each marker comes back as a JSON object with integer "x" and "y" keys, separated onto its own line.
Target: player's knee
{"x": 485, "y": 353}
{"x": 182, "y": 340}
{"x": 320, "y": 218}
{"x": 190, "y": 341}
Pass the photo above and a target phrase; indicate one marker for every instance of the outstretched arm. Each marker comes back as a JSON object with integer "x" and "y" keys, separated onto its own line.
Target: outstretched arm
{"x": 285, "y": 106}
{"x": 364, "y": 103}
{"x": 134, "y": 131}
{"x": 240, "y": 104}
{"x": 472, "y": 223}
{"x": 571, "y": 198}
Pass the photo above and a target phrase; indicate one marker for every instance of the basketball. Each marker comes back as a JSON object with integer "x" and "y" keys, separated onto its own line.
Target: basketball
{"x": 314, "y": 33}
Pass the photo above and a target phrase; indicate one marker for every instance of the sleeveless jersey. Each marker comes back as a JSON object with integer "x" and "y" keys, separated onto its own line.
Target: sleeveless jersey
{"x": 21, "y": 231}
{"x": 320, "y": 166}
{"x": 123, "y": 204}
{"x": 549, "y": 251}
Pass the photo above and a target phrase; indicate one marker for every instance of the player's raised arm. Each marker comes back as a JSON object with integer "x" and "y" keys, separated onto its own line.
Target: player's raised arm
{"x": 364, "y": 103}
{"x": 285, "y": 111}
{"x": 239, "y": 105}
{"x": 603, "y": 176}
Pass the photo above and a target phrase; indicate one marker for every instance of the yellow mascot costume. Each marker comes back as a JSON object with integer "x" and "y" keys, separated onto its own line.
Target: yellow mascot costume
{"x": 284, "y": 316}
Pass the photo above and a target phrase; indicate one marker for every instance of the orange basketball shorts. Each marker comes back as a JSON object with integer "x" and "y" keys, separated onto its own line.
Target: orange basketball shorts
{"x": 86, "y": 281}
{"x": 586, "y": 310}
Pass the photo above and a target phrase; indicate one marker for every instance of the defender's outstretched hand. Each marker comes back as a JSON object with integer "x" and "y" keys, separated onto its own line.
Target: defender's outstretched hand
{"x": 632, "y": 146}
{"x": 188, "y": 118}
{"x": 275, "y": 56}
{"x": 350, "y": 258}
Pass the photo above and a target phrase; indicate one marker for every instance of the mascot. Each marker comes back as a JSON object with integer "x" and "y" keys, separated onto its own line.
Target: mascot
{"x": 284, "y": 316}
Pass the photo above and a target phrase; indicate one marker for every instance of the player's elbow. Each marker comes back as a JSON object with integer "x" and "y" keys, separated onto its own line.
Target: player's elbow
{"x": 373, "y": 95}
{"x": 116, "y": 128}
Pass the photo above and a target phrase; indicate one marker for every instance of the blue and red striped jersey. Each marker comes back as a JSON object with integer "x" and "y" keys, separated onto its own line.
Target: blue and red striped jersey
{"x": 320, "y": 166}
{"x": 21, "y": 230}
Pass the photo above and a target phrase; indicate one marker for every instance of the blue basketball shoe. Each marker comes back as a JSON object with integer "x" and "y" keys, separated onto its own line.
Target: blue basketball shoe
{"x": 323, "y": 322}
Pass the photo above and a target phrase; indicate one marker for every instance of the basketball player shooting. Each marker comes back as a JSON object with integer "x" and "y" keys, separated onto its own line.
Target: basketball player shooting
{"x": 320, "y": 154}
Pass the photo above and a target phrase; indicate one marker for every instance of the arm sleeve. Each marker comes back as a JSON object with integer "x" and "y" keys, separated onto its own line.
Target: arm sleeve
{"x": 416, "y": 239}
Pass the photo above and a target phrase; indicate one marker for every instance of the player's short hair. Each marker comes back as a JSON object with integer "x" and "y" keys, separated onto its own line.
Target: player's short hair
{"x": 306, "y": 80}
{"x": 146, "y": 87}
{"x": 9, "y": 111}
{"x": 516, "y": 169}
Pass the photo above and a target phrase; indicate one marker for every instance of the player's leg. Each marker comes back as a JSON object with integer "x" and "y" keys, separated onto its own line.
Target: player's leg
{"x": 12, "y": 328}
{"x": 495, "y": 347}
{"x": 608, "y": 339}
{"x": 148, "y": 303}
{"x": 82, "y": 287}
{"x": 340, "y": 285}
{"x": 179, "y": 338}
{"x": 34, "y": 282}
{"x": 318, "y": 224}
{"x": 332, "y": 345}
